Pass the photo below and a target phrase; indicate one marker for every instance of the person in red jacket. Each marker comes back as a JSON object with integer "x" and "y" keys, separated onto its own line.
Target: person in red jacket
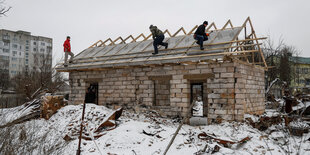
{"x": 67, "y": 50}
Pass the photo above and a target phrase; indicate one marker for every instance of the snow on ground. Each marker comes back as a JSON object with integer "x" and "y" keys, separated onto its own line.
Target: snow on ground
{"x": 42, "y": 136}
{"x": 8, "y": 115}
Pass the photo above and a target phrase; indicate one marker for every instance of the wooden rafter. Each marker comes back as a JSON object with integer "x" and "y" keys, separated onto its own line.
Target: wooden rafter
{"x": 119, "y": 38}
{"x": 235, "y": 46}
{"x": 211, "y": 25}
{"x": 192, "y": 30}
{"x": 181, "y": 29}
{"x": 148, "y": 37}
{"x": 96, "y": 44}
{"x": 201, "y": 55}
{"x": 167, "y": 31}
{"x": 181, "y": 52}
{"x": 221, "y": 43}
{"x": 130, "y": 36}
{"x": 260, "y": 51}
{"x": 228, "y": 22}
{"x": 109, "y": 39}
{"x": 141, "y": 35}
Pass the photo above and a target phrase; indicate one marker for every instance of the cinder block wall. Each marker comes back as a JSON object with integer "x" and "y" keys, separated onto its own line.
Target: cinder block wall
{"x": 237, "y": 89}
{"x": 233, "y": 90}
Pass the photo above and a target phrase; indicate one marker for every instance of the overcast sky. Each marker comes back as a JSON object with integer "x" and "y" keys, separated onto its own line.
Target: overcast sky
{"x": 88, "y": 21}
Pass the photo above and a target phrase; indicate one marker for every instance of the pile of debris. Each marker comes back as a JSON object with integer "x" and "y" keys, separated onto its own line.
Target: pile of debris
{"x": 96, "y": 122}
{"x": 19, "y": 114}
{"x": 44, "y": 107}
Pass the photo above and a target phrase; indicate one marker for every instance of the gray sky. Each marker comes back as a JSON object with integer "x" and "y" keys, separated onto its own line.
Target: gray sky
{"x": 88, "y": 21}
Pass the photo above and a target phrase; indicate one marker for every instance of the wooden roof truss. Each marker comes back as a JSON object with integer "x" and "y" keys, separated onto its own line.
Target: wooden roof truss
{"x": 244, "y": 47}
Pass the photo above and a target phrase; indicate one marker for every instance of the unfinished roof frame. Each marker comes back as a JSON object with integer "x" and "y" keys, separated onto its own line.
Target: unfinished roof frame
{"x": 246, "y": 50}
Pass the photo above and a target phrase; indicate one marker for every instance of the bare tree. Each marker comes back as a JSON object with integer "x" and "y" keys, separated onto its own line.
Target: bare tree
{"x": 4, "y": 9}
{"x": 271, "y": 52}
{"x": 41, "y": 79}
{"x": 279, "y": 59}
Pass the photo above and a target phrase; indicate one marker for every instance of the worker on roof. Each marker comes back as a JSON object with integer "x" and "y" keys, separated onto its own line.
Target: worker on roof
{"x": 200, "y": 35}
{"x": 158, "y": 37}
{"x": 67, "y": 50}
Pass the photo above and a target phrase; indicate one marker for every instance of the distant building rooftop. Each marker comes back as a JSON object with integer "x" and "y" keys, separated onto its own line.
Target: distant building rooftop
{"x": 301, "y": 60}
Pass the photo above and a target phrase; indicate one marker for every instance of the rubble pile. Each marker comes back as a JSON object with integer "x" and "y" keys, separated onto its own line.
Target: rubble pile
{"x": 50, "y": 105}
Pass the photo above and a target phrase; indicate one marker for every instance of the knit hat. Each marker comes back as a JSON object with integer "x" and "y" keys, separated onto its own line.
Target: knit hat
{"x": 151, "y": 26}
{"x": 205, "y": 22}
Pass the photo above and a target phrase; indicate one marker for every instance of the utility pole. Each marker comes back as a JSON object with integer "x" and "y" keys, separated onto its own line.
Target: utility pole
{"x": 80, "y": 138}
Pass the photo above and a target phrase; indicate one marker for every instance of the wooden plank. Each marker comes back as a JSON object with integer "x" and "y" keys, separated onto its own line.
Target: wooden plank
{"x": 254, "y": 34}
{"x": 192, "y": 30}
{"x": 199, "y": 76}
{"x": 181, "y": 29}
{"x": 109, "y": 39}
{"x": 180, "y": 58}
{"x": 167, "y": 31}
{"x": 141, "y": 35}
{"x": 95, "y": 44}
{"x": 119, "y": 38}
{"x": 185, "y": 47}
{"x": 133, "y": 57}
{"x": 130, "y": 36}
{"x": 137, "y": 63}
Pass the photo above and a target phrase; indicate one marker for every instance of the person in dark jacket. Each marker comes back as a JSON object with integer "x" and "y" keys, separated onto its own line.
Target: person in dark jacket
{"x": 158, "y": 37}
{"x": 90, "y": 95}
{"x": 200, "y": 34}
{"x": 67, "y": 50}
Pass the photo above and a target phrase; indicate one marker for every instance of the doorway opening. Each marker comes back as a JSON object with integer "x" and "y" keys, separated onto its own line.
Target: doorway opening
{"x": 92, "y": 97}
{"x": 197, "y": 99}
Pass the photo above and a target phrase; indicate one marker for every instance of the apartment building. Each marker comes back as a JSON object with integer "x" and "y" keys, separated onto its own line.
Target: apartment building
{"x": 302, "y": 72}
{"x": 21, "y": 52}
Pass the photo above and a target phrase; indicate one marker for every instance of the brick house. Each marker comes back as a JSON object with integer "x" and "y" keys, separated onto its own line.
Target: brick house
{"x": 228, "y": 73}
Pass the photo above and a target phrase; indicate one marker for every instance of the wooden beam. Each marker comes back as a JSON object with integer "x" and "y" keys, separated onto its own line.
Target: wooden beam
{"x": 192, "y": 30}
{"x": 130, "y": 36}
{"x": 181, "y": 29}
{"x": 132, "y": 57}
{"x": 234, "y": 41}
{"x": 211, "y": 25}
{"x": 148, "y": 37}
{"x": 95, "y": 44}
{"x": 119, "y": 38}
{"x": 109, "y": 39}
{"x": 171, "y": 49}
{"x": 254, "y": 35}
{"x": 228, "y": 22}
{"x": 182, "y": 57}
{"x": 141, "y": 35}
{"x": 166, "y": 31}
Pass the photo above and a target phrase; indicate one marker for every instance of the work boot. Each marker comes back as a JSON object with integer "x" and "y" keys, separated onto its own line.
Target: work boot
{"x": 197, "y": 43}
{"x": 155, "y": 53}
{"x": 201, "y": 48}
{"x": 65, "y": 65}
{"x": 166, "y": 46}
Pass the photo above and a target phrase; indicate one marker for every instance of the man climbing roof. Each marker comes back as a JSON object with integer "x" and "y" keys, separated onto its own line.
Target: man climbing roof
{"x": 200, "y": 34}
{"x": 67, "y": 50}
{"x": 158, "y": 37}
